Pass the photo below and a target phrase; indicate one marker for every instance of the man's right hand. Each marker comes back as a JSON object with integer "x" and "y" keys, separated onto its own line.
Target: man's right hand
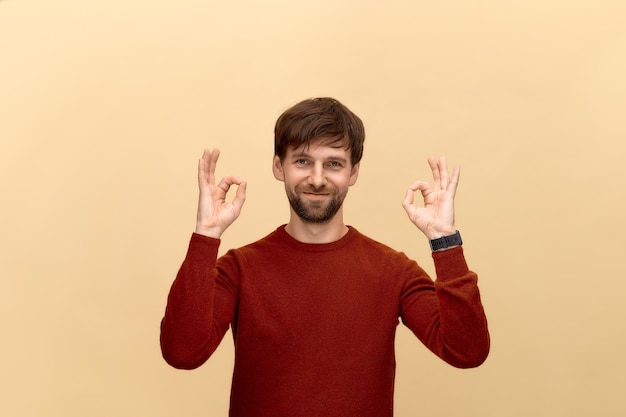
{"x": 215, "y": 214}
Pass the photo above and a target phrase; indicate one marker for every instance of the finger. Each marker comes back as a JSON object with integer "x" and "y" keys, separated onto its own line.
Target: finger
{"x": 443, "y": 173}
{"x": 423, "y": 187}
{"x": 434, "y": 167}
{"x": 227, "y": 182}
{"x": 409, "y": 199}
{"x": 240, "y": 195}
{"x": 211, "y": 159}
{"x": 202, "y": 169}
{"x": 454, "y": 180}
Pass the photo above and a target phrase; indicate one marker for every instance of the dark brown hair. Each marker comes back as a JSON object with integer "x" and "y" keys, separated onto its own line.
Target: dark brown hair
{"x": 319, "y": 118}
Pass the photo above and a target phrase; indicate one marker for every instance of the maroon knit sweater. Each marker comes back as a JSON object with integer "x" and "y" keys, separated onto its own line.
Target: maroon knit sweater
{"x": 314, "y": 324}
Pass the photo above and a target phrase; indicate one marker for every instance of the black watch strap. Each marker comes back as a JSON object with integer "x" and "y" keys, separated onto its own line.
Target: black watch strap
{"x": 446, "y": 241}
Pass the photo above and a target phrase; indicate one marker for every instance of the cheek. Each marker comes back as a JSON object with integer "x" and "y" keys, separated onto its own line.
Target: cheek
{"x": 341, "y": 180}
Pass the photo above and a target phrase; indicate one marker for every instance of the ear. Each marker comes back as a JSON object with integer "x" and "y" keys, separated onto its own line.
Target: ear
{"x": 277, "y": 169}
{"x": 354, "y": 174}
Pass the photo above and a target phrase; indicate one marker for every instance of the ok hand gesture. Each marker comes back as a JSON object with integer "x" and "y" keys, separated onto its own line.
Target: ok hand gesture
{"x": 215, "y": 214}
{"x": 436, "y": 218}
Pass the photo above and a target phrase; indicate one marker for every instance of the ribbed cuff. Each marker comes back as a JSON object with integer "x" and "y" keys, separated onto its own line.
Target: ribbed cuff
{"x": 450, "y": 263}
{"x": 203, "y": 248}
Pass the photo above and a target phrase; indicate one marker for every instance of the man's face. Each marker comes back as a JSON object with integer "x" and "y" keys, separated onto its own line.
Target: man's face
{"x": 316, "y": 179}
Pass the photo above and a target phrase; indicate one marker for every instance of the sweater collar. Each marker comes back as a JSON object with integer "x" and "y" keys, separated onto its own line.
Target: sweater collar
{"x": 289, "y": 240}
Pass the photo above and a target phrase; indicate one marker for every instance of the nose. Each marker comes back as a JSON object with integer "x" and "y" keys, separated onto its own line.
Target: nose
{"x": 316, "y": 176}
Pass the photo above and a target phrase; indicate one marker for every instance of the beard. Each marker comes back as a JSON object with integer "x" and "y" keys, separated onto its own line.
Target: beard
{"x": 313, "y": 211}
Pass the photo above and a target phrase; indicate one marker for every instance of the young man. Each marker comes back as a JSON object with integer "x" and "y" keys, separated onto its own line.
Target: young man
{"x": 315, "y": 304}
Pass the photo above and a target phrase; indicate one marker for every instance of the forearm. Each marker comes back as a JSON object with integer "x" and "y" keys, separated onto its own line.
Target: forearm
{"x": 188, "y": 336}
{"x": 447, "y": 315}
{"x": 463, "y": 337}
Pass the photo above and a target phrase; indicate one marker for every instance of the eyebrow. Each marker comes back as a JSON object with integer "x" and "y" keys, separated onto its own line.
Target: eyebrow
{"x": 330, "y": 158}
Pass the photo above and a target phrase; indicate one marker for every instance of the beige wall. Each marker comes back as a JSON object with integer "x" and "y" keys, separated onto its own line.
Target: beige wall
{"x": 105, "y": 107}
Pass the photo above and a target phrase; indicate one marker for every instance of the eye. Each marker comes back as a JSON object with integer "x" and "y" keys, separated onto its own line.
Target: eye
{"x": 301, "y": 162}
{"x": 334, "y": 164}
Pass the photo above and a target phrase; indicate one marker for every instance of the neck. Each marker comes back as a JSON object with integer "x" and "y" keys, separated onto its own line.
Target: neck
{"x": 328, "y": 232}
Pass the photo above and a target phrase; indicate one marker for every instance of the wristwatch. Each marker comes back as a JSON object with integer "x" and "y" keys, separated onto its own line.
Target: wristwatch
{"x": 446, "y": 241}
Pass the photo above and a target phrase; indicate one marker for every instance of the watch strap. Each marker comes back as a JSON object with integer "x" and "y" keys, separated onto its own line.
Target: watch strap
{"x": 446, "y": 241}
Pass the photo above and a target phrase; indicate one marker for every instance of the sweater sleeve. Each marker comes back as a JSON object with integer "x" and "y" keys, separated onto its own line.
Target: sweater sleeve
{"x": 448, "y": 315}
{"x": 200, "y": 307}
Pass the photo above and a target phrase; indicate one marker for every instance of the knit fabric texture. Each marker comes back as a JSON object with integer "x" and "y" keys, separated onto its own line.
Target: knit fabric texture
{"x": 314, "y": 324}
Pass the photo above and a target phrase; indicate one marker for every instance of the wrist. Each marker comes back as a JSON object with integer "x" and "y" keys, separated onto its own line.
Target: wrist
{"x": 212, "y": 232}
{"x": 437, "y": 234}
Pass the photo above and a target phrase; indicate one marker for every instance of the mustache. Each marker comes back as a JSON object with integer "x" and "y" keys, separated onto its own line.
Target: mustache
{"x": 315, "y": 190}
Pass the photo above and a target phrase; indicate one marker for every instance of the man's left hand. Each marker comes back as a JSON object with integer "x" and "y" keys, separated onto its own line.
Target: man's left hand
{"x": 436, "y": 218}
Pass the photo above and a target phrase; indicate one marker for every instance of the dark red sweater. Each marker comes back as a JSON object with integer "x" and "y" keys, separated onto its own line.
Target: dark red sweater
{"x": 314, "y": 324}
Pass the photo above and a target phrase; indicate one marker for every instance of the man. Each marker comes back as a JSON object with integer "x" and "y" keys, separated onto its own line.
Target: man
{"x": 314, "y": 305}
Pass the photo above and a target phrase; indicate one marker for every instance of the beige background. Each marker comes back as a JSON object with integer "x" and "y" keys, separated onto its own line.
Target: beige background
{"x": 105, "y": 107}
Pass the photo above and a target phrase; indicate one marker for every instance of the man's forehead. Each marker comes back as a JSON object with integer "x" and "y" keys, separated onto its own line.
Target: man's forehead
{"x": 330, "y": 144}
